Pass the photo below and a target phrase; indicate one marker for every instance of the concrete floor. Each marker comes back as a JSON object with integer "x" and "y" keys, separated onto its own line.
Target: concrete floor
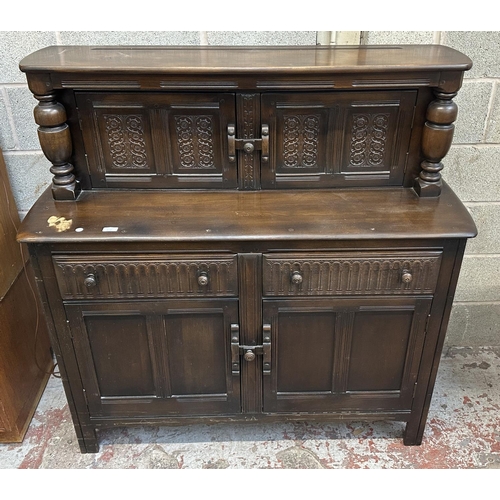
{"x": 463, "y": 431}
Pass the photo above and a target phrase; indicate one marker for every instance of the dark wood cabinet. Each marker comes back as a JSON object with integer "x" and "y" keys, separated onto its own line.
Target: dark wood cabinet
{"x": 246, "y": 233}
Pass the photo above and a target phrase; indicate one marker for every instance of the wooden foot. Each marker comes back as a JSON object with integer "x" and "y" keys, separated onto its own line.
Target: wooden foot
{"x": 413, "y": 434}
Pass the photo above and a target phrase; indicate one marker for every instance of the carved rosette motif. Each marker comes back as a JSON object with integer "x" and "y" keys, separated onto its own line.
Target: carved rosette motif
{"x": 368, "y": 139}
{"x": 126, "y": 142}
{"x": 351, "y": 276}
{"x": 146, "y": 279}
{"x": 300, "y": 141}
{"x": 195, "y": 137}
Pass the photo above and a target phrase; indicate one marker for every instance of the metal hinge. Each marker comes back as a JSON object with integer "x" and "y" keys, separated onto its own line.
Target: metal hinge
{"x": 250, "y": 352}
{"x": 414, "y": 390}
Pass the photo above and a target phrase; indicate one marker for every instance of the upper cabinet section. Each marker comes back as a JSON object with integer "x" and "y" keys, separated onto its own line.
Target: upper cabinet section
{"x": 245, "y": 117}
{"x": 337, "y": 138}
{"x": 158, "y": 140}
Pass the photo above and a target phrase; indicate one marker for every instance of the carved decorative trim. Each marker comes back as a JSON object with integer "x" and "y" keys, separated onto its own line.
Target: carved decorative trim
{"x": 126, "y": 141}
{"x": 437, "y": 137}
{"x": 147, "y": 277}
{"x": 190, "y": 85}
{"x": 99, "y": 84}
{"x": 414, "y": 82}
{"x": 248, "y": 133}
{"x": 300, "y": 141}
{"x": 57, "y": 146}
{"x": 351, "y": 276}
{"x": 296, "y": 85}
{"x": 368, "y": 139}
{"x": 248, "y": 116}
{"x": 195, "y": 137}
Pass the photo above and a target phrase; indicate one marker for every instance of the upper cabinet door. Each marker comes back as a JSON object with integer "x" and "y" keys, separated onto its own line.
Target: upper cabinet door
{"x": 158, "y": 140}
{"x": 337, "y": 138}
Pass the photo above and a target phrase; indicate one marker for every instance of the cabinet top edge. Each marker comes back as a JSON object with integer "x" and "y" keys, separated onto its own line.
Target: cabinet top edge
{"x": 244, "y": 59}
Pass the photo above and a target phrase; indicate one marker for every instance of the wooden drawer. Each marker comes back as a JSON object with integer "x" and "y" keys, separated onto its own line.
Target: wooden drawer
{"x": 348, "y": 273}
{"x": 82, "y": 277}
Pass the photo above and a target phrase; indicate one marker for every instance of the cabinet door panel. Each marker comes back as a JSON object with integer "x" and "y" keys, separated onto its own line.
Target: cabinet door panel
{"x": 120, "y": 347}
{"x": 158, "y": 140}
{"x": 379, "y": 343}
{"x": 344, "y": 354}
{"x": 166, "y": 358}
{"x": 196, "y": 353}
{"x": 337, "y": 138}
{"x": 305, "y": 351}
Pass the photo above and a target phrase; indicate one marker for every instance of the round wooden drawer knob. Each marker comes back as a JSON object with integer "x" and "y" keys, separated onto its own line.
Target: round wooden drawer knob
{"x": 296, "y": 278}
{"x": 90, "y": 281}
{"x": 406, "y": 277}
{"x": 203, "y": 279}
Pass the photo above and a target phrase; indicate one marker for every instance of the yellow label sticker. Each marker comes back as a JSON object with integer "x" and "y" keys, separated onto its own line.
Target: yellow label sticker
{"x": 60, "y": 223}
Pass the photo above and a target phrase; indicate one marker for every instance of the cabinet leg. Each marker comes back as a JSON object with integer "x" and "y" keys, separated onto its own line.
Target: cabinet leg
{"x": 413, "y": 433}
{"x": 88, "y": 442}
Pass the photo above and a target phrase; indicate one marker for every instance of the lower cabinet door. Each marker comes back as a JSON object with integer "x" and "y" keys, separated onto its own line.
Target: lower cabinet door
{"x": 156, "y": 358}
{"x": 358, "y": 354}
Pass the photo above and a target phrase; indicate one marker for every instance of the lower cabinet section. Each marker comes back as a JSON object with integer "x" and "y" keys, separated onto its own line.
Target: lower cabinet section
{"x": 159, "y": 338}
{"x": 177, "y": 357}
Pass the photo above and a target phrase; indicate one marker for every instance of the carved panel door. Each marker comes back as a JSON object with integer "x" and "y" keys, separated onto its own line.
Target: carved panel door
{"x": 343, "y": 354}
{"x": 337, "y": 138}
{"x": 168, "y": 357}
{"x": 157, "y": 140}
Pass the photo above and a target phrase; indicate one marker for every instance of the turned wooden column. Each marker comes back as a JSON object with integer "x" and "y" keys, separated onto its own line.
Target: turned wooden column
{"x": 55, "y": 140}
{"x": 436, "y": 141}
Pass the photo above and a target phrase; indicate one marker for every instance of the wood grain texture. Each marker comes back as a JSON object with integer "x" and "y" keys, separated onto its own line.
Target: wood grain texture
{"x": 261, "y": 60}
{"x": 12, "y": 261}
{"x": 25, "y": 357}
{"x": 249, "y": 216}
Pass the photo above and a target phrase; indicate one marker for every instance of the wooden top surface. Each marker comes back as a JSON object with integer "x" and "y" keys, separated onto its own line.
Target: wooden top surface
{"x": 218, "y": 59}
{"x": 203, "y": 216}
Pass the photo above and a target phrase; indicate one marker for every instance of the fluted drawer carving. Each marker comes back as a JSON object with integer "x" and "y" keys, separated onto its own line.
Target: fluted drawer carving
{"x": 367, "y": 273}
{"x": 145, "y": 276}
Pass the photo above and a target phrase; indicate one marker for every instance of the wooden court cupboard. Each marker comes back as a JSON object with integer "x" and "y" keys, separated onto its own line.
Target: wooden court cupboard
{"x": 246, "y": 233}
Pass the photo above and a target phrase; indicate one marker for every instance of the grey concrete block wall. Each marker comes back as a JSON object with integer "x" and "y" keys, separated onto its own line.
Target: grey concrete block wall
{"x": 472, "y": 167}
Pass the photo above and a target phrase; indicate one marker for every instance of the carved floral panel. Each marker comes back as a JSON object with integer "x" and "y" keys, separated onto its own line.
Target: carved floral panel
{"x": 195, "y": 141}
{"x": 126, "y": 141}
{"x": 368, "y": 139}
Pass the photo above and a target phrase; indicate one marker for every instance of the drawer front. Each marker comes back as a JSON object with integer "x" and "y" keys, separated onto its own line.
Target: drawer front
{"x": 342, "y": 273}
{"x": 83, "y": 277}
